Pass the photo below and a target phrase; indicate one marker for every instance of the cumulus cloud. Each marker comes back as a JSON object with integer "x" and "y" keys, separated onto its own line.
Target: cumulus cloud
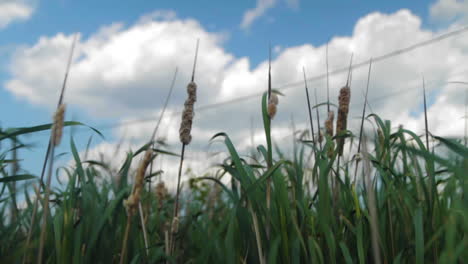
{"x": 449, "y": 9}
{"x": 14, "y": 10}
{"x": 124, "y": 72}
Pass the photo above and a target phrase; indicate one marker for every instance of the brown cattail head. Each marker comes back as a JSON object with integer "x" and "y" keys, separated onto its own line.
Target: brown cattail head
{"x": 213, "y": 198}
{"x": 175, "y": 225}
{"x": 329, "y": 123}
{"x": 343, "y": 108}
{"x": 161, "y": 193}
{"x": 131, "y": 204}
{"x": 188, "y": 114}
{"x": 57, "y": 128}
{"x": 272, "y": 105}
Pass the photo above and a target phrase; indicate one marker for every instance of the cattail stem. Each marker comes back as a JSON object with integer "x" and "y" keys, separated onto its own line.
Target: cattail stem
{"x": 362, "y": 121}
{"x": 176, "y": 204}
{"x": 50, "y": 145}
{"x": 123, "y": 254}
{"x": 261, "y": 257}
{"x": 143, "y": 226}
{"x": 271, "y": 106}
{"x": 318, "y": 118}
{"x": 33, "y": 216}
{"x": 185, "y": 138}
{"x": 372, "y": 205}
{"x": 46, "y": 205}
{"x": 328, "y": 86}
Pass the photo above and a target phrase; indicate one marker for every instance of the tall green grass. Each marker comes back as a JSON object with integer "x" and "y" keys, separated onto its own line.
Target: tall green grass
{"x": 420, "y": 198}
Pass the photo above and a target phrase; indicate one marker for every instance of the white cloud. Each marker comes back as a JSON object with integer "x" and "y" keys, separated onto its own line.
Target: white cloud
{"x": 260, "y": 10}
{"x": 14, "y": 10}
{"x": 252, "y": 14}
{"x": 124, "y": 72}
{"x": 449, "y": 9}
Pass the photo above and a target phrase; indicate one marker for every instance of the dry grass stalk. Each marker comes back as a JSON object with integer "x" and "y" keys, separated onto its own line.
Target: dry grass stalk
{"x": 372, "y": 203}
{"x": 49, "y": 153}
{"x": 56, "y": 134}
{"x": 131, "y": 204}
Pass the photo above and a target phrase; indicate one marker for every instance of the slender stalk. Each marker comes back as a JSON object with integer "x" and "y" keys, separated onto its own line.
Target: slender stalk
{"x": 372, "y": 205}
{"x": 425, "y": 115}
{"x": 310, "y": 110}
{"x": 362, "y": 121}
{"x": 184, "y": 142}
{"x": 46, "y": 203}
{"x": 466, "y": 117}
{"x": 176, "y": 205}
{"x": 318, "y": 118}
{"x": 153, "y": 136}
{"x": 328, "y": 85}
{"x": 123, "y": 254}
{"x": 261, "y": 257}
{"x": 49, "y": 147}
{"x": 14, "y": 171}
{"x": 269, "y": 160}
{"x": 143, "y": 225}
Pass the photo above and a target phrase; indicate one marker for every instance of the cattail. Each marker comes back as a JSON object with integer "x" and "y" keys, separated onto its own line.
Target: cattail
{"x": 131, "y": 204}
{"x": 175, "y": 225}
{"x": 213, "y": 198}
{"x": 272, "y": 105}
{"x": 329, "y": 123}
{"x": 343, "y": 108}
{"x": 188, "y": 114}
{"x": 329, "y": 131}
{"x": 161, "y": 192}
{"x": 57, "y": 128}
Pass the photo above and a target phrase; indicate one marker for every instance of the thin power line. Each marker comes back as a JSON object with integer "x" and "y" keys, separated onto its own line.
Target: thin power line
{"x": 299, "y": 83}
{"x": 315, "y": 78}
{"x": 216, "y": 105}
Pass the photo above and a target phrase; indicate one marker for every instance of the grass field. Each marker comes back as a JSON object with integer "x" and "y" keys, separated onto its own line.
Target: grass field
{"x": 391, "y": 199}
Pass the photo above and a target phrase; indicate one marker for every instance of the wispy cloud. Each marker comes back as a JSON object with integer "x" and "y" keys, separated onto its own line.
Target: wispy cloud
{"x": 252, "y": 14}
{"x": 14, "y": 10}
{"x": 260, "y": 10}
{"x": 449, "y": 9}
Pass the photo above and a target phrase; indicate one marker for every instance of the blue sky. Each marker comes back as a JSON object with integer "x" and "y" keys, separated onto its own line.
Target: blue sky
{"x": 297, "y": 28}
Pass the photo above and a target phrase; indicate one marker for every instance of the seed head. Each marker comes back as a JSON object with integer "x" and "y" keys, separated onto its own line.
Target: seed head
{"x": 57, "y": 128}
{"x": 175, "y": 225}
{"x": 188, "y": 114}
{"x": 329, "y": 123}
{"x": 272, "y": 105}
{"x": 131, "y": 204}
{"x": 271, "y": 110}
{"x": 273, "y": 99}
{"x": 343, "y": 108}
